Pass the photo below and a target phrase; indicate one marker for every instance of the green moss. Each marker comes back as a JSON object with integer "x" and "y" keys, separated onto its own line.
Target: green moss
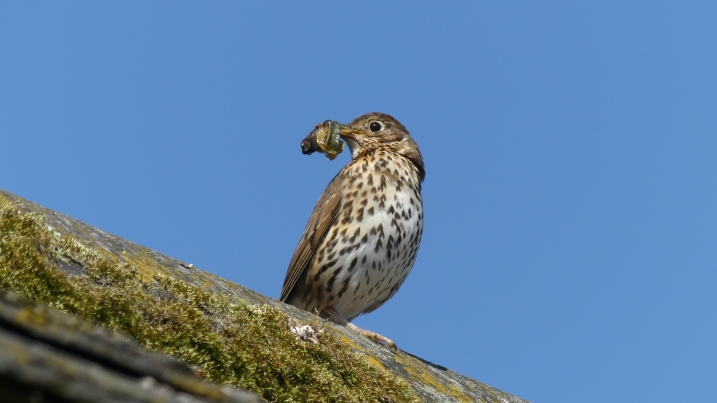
{"x": 230, "y": 342}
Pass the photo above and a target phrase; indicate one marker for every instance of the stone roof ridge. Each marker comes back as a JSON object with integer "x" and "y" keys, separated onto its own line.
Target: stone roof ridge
{"x": 92, "y": 277}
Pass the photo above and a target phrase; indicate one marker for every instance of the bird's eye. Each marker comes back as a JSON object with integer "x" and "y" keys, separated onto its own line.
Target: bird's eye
{"x": 375, "y": 126}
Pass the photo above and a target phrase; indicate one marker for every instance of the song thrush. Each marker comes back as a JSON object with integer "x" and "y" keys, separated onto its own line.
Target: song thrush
{"x": 362, "y": 238}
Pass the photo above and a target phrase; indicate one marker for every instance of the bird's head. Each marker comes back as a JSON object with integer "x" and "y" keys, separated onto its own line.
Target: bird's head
{"x": 379, "y": 131}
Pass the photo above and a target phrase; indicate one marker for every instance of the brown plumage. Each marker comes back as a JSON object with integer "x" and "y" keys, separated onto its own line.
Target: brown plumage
{"x": 363, "y": 236}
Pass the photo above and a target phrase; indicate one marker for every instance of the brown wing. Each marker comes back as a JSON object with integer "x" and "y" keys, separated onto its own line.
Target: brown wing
{"x": 324, "y": 215}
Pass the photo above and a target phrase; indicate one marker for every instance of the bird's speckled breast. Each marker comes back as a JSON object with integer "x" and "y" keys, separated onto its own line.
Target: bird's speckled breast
{"x": 366, "y": 257}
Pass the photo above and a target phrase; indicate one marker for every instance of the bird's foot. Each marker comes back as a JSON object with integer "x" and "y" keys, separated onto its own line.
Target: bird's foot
{"x": 373, "y": 336}
{"x": 338, "y": 318}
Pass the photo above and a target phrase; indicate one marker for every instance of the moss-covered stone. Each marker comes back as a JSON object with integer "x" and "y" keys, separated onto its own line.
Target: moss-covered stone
{"x": 224, "y": 338}
{"x": 430, "y": 382}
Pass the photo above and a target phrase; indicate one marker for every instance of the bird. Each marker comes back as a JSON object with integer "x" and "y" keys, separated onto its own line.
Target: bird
{"x": 362, "y": 238}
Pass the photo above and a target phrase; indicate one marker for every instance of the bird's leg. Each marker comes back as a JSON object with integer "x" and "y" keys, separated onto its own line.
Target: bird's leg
{"x": 371, "y": 335}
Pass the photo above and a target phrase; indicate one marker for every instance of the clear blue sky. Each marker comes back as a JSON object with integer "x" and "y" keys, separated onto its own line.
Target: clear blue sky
{"x": 571, "y": 237}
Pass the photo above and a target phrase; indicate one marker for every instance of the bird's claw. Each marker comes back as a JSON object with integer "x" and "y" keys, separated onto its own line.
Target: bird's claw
{"x": 374, "y": 336}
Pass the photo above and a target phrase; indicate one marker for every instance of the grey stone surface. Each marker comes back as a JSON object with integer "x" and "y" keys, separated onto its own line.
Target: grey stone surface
{"x": 47, "y": 356}
{"x": 431, "y": 382}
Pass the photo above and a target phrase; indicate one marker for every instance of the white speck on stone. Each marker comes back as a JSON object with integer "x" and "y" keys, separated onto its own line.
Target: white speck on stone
{"x": 304, "y": 332}
{"x": 147, "y": 382}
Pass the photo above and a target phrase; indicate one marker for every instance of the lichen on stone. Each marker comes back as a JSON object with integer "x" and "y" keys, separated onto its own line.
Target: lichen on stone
{"x": 225, "y": 339}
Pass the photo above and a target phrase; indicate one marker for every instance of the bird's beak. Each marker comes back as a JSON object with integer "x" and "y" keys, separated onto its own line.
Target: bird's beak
{"x": 347, "y": 132}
